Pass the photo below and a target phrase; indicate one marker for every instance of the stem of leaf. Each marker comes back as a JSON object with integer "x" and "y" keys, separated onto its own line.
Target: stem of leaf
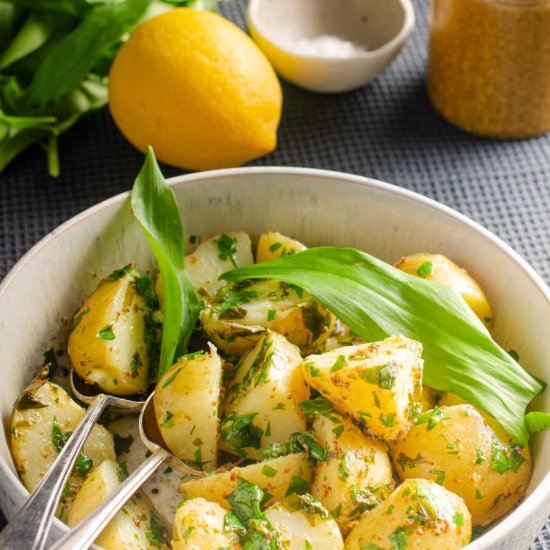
{"x": 53, "y": 156}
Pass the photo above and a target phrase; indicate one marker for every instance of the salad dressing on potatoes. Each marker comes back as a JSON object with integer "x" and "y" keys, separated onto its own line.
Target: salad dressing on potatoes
{"x": 300, "y": 427}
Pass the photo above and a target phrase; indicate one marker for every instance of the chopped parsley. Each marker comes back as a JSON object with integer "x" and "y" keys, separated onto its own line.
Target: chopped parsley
{"x": 313, "y": 320}
{"x": 320, "y": 405}
{"x": 275, "y": 246}
{"x": 171, "y": 378}
{"x": 167, "y": 421}
{"x": 227, "y": 248}
{"x": 197, "y": 459}
{"x": 119, "y": 273}
{"x": 246, "y": 512}
{"x": 432, "y": 418}
{"x": 297, "y": 442}
{"x": 144, "y": 287}
{"x": 425, "y": 270}
{"x": 157, "y": 532}
{"x": 458, "y": 519}
{"x": 398, "y": 539}
{"x": 308, "y": 504}
{"x": 504, "y": 458}
{"x": 387, "y": 375}
{"x": 338, "y": 431}
{"x": 313, "y": 370}
{"x": 83, "y": 463}
{"x": 298, "y": 485}
{"x": 135, "y": 363}
{"x": 122, "y": 471}
{"x": 388, "y": 420}
{"x": 106, "y": 333}
{"x": 440, "y": 479}
{"x": 58, "y": 437}
{"x": 479, "y": 456}
{"x": 403, "y": 460}
{"x": 187, "y": 532}
{"x": 239, "y": 432}
{"x": 229, "y": 298}
{"x": 269, "y": 471}
{"x": 338, "y": 364}
{"x": 271, "y": 313}
{"x": 343, "y": 468}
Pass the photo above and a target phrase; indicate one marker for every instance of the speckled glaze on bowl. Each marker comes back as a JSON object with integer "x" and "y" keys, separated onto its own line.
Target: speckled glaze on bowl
{"x": 316, "y": 207}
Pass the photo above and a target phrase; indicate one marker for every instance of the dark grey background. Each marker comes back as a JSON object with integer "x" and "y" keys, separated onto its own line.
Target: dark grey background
{"x": 386, "y": 130}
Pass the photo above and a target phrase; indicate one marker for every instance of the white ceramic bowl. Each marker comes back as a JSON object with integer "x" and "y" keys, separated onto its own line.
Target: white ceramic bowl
{"x": 317, "y": 207}
{"x": 382, "y": 26}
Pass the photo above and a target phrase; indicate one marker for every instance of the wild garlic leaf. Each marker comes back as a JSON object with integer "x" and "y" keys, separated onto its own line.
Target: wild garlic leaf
{"x": 377, "y": 300}
{"x": 73, "y": 57}
{"x": 155, "y": 208}
{"x": 34, "y": 33}
{"x": 537, "y": 421}
{"x": 71, "y": 7}
{"x": 25, "y": 125}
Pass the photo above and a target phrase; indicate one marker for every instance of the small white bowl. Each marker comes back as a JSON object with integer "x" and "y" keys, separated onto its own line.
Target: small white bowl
{"x": 381, "y": 26}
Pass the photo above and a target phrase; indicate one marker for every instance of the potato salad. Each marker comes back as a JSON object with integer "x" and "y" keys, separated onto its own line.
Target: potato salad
{"x": 307, "y": 436}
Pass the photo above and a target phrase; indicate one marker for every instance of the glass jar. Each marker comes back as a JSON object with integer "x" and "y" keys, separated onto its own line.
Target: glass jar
{"x": 489, "y": 67}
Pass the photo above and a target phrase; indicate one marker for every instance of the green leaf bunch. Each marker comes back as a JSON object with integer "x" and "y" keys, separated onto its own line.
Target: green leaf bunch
{"x": 55, "y": 57}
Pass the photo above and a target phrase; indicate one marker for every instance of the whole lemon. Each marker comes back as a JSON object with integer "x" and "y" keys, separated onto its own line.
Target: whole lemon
{"x": 195, "y": 87}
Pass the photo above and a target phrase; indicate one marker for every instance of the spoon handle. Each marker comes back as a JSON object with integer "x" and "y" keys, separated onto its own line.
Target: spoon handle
{"x": 29, "y": 528}
{"x": 84, "y": 534}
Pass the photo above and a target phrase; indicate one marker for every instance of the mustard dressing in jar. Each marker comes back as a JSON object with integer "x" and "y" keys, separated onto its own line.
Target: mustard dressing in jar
{"x": 489, "y": 67}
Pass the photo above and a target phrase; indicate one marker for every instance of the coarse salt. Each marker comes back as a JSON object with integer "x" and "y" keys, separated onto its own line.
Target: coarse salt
{"x": 327, "y": 45}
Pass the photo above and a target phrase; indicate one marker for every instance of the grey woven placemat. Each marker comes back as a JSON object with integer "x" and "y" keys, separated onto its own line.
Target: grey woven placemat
{"x": 386, "y": 130}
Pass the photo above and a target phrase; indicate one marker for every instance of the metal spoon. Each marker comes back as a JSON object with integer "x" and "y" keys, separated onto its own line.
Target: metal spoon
{"x": 84, "y": 534}
{"x": 30, "y": 527}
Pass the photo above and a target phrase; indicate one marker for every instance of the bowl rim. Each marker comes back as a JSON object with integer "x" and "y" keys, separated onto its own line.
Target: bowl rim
{"x": 409, "y": 22}
{"x": 540, "y": 494}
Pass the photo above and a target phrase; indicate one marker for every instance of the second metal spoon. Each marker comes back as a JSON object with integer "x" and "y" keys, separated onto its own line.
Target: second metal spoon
{"x": 30, "y": 527}
{"x": 84, "y": 534}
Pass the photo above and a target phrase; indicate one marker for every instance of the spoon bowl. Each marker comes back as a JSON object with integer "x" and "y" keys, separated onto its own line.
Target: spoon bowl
{"x": 88, "y": 393}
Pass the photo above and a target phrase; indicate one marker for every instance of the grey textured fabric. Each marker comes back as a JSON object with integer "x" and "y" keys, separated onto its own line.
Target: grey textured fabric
{"x": 386, "y": 130}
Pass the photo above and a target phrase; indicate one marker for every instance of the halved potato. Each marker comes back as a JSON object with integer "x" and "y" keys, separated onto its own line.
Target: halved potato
{"x": 375, "y": 384}
{"x": 131, "y": 527}
{"x": 240, "y": 313}
{"x": 262, "y": 403}
{"x": 273, "y": 245}
{"x": 357, "y": 473}
{"x": 186, "y": 408}
{"x": 200, "y": 525}
{"x": 211, "y": 258}
{"x": 455, "y": 447}
{"x": 107, "y": 346}
{"x": 419, "y": 514}
{"x": 436, "y": 267}
{"x": 302, "y": 522}
{"x": 277, "y": 477}
{"x": 42, "y": 419}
